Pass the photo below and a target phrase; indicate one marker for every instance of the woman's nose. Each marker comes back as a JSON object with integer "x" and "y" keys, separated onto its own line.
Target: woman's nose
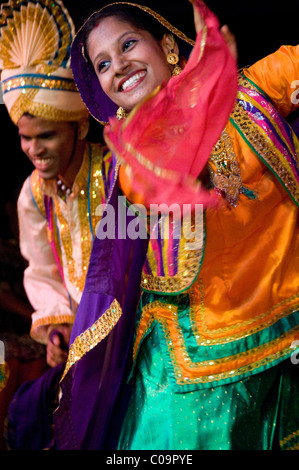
{"x": 120, "y": 64}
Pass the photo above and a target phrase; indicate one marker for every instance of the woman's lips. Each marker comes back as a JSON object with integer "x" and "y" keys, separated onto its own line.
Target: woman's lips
{"x": 129, "y": 83}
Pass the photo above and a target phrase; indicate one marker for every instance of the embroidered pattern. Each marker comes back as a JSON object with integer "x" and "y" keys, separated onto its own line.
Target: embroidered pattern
{"x": 93, "y": 335}
{"x": 188, "y": 370}
{"x": 206, "y": 336}
{"x": 268, "y": 135}
{"x": 90, "y": 186}
{"x": 290, "y": 442}
{"x": 225, "y": 172}
{"x": 173, "y": 261}
{"x": 38, "y": 81}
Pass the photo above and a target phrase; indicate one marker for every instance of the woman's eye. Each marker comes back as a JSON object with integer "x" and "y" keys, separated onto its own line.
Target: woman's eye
{"x": 128, "y": 44}
{"x": 102, "y": 65}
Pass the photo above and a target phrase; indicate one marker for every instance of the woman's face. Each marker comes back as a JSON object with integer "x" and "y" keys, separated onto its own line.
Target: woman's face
{"x": 129, "y": 62}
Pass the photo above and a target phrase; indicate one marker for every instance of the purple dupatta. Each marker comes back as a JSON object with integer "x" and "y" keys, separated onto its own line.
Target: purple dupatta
{"x": 95, "y": 390}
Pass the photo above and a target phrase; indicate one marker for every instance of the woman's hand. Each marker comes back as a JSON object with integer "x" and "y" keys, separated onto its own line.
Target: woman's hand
{"x": 226, "y": 33}
{"x": 230, "y": 39}
{"x": 198, "y": 19}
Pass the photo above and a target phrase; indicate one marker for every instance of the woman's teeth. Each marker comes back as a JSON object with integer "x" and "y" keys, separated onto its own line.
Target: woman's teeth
{"x": 132, "y": 80}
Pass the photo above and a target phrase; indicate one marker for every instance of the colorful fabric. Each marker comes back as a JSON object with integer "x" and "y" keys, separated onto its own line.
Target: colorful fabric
{"x": 256, "y": 413}
{"x": 223, "y": 338}
{"x": 63, "y": 233}
{"x": 35, "y": 40}
{"x": 227, "y": 342}
{"x": 189, "y": 104}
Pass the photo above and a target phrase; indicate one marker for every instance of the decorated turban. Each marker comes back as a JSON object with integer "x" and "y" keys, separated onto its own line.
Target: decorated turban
{"x": 36, "y": 78}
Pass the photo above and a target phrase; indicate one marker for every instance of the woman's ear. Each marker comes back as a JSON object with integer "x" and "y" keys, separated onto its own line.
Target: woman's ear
{"x": 83, "y": 128}
{"x": 169, "y": 44}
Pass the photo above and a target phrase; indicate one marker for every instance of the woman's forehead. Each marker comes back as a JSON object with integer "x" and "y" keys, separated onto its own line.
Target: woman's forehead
{"x": 110, "y": 31}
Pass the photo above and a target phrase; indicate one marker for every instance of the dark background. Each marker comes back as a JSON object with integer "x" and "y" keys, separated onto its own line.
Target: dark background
{"x": 260, "y": 26}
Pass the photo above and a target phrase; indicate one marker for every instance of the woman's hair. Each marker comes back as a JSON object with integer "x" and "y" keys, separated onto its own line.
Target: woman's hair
{"x": 128, "y": 14}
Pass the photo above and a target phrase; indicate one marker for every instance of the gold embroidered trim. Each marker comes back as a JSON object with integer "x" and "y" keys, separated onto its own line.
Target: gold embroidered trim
{"x": 38, "y": 81}
{"x": 263, "y": 145}
{"x": 224, "y": 170}
{"x": 77, "y": 273}
{"x": 36, "y": 191}
{"x": 25, "y": 104}
{"x": 51, "y": 320}
{"x": 287, "y": 439}
{"x": 189, "y": 260}
{"x": 184, "y": 369}
{"x": 159, "y": 18}
{"x": 246, "y": 327}
{"x": 93, "y": 335}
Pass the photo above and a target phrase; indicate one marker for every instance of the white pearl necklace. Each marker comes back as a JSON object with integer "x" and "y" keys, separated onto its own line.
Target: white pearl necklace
{"x": 63, "y": 188}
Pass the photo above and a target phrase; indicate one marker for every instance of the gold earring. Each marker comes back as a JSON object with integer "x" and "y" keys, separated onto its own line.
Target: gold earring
{"x": 172, "y": 58}
{"x": 121, "y": 113}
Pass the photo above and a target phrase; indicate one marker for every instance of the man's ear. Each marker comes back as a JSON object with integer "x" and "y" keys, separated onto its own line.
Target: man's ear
{"x": 83, "y": 128}
{"x": 169, "y": 44}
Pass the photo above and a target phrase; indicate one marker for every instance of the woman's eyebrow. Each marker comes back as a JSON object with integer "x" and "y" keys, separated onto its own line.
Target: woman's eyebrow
{"x": 117, "y": 40}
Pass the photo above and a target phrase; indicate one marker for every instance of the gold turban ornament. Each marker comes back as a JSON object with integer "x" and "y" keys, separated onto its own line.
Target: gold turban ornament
{"x": 35, "y": 42}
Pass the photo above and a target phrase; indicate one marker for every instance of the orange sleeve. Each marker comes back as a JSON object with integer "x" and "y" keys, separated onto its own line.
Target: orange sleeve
{"x": 278, "y": 76}
{"x": 125, "y": 184}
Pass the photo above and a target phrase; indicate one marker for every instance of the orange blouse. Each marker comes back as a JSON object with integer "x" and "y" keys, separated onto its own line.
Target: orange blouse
{"x": 249, "y": 277}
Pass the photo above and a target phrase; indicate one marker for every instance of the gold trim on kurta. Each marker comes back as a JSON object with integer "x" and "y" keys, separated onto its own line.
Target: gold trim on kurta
{"x": 77, "y": 274}
{"x": 211, "y": 336}
{"x": 224, "y": 170}
{"x": 188, "y": 260}
{"x": 261, "y": 142}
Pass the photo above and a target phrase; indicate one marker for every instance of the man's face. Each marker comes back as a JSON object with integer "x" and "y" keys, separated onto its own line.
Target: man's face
{"x": 49, "y": 145}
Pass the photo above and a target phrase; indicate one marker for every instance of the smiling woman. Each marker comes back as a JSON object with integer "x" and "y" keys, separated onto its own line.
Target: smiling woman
{"x": 172, "y": 347}
{"x": 128, "y": 63}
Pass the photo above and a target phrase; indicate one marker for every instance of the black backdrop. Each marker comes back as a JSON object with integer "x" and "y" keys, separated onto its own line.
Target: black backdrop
{"x": 260, "y": 26}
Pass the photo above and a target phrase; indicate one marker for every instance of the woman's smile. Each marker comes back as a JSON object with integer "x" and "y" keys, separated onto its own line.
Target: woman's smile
{"x": 129, "y": 62}
{"x": 131, "y": 81}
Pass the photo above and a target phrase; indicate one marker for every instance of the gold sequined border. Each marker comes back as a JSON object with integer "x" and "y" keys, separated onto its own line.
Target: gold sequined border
{"x": 284, "y": 443}
{"x": 246, "y": 327}
{"x": 25, "y": 104}
{"x": 189, "y": 262}
{"x": 38, "y": 81}
{"x": 224, "y": 170}
{"x": 37, "y": 194}
{"x": 263, "y": 146}
{"x": 49, "y": 320}
{"x": 89, "y": 198}
{"x": 93, "y": 335}
{"x": 188, "y": 372}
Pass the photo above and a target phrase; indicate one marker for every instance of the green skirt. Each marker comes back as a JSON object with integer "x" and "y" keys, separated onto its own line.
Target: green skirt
{"x": 260, "y": 412}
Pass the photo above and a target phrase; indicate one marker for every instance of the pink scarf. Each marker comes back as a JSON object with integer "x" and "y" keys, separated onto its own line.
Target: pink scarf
{"x": 167, "y": 139}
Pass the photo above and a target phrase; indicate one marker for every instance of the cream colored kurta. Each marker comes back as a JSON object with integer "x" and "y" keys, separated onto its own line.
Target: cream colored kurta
{"x": 55, "y": 295}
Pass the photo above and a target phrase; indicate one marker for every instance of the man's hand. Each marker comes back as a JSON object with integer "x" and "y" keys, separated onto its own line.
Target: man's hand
{"x": 57, "y": 346}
